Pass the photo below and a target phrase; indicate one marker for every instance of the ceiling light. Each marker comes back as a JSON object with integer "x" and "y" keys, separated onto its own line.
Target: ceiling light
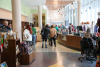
{"x": 45, "y": 7}
{"x": 72, "y": 6}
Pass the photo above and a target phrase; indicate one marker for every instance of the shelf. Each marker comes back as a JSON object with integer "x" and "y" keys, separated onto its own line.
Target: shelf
{"x": 18, "y": 52}
{"x": 14, "y": 39}
{"x": 18, "y": 39}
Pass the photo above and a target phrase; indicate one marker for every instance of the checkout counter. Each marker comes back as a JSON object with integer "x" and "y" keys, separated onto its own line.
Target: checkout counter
{"x": 70, "y": 40}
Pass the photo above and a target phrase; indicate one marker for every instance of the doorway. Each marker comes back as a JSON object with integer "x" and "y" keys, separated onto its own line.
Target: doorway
{"x": 35, "y": 19}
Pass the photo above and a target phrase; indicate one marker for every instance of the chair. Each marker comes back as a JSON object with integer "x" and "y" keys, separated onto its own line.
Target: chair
{"x": 85, "y": 49}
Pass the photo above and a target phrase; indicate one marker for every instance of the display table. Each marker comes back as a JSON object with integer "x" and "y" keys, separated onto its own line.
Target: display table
{"x": 26, "y": 59}
{"x": 70, "y": 41}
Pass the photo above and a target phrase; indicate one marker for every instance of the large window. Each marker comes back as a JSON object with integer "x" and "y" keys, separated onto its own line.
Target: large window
{"x": 71, "y": 14}
{"x": 90, "y": 9}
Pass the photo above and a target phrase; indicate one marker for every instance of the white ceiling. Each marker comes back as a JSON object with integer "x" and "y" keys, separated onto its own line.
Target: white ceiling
{"x": 33, "y": 3}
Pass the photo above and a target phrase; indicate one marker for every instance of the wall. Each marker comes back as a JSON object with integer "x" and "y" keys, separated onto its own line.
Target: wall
{"x": 35, "y": 11}
{"x": 6, "y": 4}
{"x": 5, "y": 14}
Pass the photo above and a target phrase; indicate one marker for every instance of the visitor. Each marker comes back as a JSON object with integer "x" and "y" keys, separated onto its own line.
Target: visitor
{"x": 56, "y": 29}
{"x": 27, "y": 34}
{"x": 10, "y": 26}
{"x": 45, "y": 32}
{"x": 53, "y": 33}
{"x": 96, "y": 28}
{"x": 34, "y": 35}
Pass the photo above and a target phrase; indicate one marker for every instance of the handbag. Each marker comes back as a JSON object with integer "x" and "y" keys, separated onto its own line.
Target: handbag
{"x": 42, "y": 33}
{"x": 55, "y": 36}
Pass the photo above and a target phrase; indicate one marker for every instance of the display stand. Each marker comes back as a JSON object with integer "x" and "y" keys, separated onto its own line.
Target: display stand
{"x": 26, "y": 59}
{"x": 10, "y": 55}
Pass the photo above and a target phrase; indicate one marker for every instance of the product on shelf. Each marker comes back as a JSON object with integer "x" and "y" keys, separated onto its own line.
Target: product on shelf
{"x": 1, "y": 44}
{"x": 24, "y": 48}
{"x": 17, "y": 49}
{"x": 17, "y": 61}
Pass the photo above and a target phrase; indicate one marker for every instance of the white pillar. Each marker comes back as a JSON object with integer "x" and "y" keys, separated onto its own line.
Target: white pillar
{"x": 79, "y": 12}
{"x": 16, "y": 17}
{"x": 40, "y": 16}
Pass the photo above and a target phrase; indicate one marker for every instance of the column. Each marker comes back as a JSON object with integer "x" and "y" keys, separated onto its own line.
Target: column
{"x": 79, "y": 12}
{"x": 63, "y": 15}
{"x": 40, "y": 16}
{"x": 16, "y": 17}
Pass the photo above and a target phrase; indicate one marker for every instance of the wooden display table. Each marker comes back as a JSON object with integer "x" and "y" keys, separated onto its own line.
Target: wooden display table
{"x": 26, "y": 59}
{"x": 71, "y": 41}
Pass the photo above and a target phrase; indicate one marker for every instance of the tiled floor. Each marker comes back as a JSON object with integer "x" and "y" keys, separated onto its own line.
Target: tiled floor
{"x": 58, "y": 56}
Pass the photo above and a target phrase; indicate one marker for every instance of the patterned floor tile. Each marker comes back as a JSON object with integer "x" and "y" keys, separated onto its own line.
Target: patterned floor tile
{"x": 59, "y": 56}
{"x": 57, "y": 65}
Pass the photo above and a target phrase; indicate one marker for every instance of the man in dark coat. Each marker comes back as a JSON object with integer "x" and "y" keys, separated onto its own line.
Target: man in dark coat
{"x": 45, "y": 32}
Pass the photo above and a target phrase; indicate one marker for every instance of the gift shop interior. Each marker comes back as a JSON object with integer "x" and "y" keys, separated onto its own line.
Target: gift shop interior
{"x": 49, "y": 33}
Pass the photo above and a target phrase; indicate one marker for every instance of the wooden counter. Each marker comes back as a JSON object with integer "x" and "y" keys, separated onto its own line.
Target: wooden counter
{"x": 38, "y": 30}
{"x": 71, "y": 41}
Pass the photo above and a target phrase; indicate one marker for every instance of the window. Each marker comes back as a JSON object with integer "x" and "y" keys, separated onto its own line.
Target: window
{"x": 71, "y": 14}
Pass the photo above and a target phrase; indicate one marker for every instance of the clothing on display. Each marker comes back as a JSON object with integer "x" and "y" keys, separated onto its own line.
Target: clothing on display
{"x": 98, "y": 21}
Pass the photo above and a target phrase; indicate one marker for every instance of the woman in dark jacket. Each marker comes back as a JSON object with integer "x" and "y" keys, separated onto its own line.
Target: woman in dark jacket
{"x": 45, "y": 32}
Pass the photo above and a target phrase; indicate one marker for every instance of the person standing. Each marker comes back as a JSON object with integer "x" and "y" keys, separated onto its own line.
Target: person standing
{"x": 10, "y": 26}
{"x": 96, "y": 28}
{"x": 53, "y": 33}
{"x": 45, "y": 32}
{"x": 34, "y": 35}
{"x": 27, "y": 35}
{"x": 56, "y": 29}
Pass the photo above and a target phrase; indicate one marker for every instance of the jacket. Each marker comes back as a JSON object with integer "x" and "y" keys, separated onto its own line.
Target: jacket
{"x": 5, "y": 28}
{"x": 26, "y": 35}
{"x": 45, "y": 32}
{"x": 53, "y": 32}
